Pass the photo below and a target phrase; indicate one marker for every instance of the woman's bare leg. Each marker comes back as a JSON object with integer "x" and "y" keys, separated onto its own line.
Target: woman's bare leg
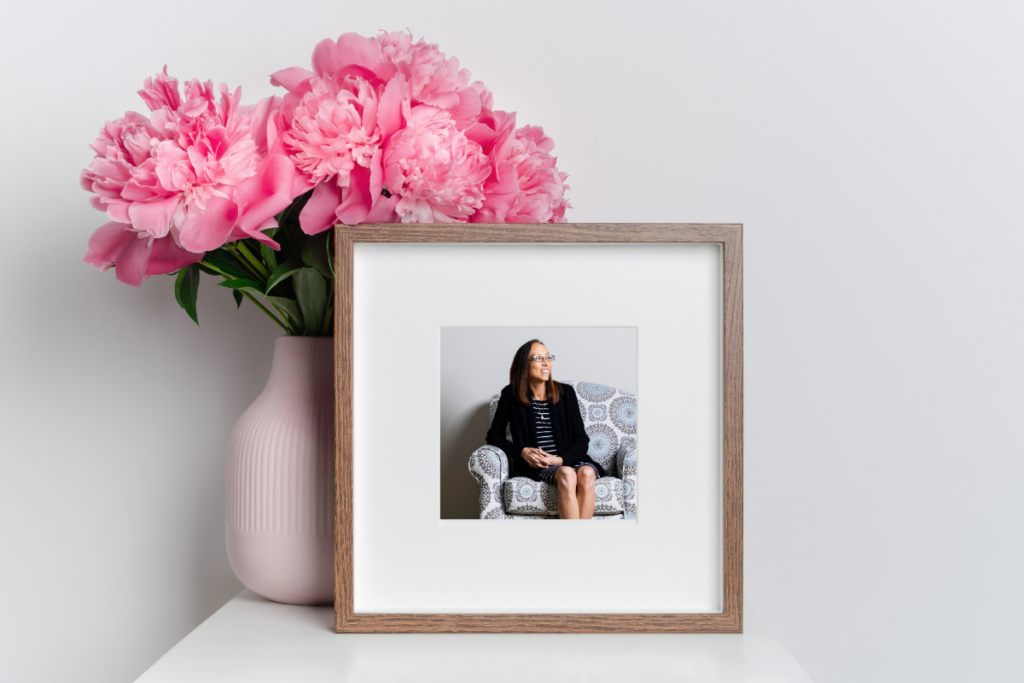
{"x": 568, "y": 508}
{"x": 585, "y": 480}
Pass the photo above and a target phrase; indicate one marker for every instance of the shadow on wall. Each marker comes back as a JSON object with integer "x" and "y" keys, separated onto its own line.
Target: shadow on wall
{"x": 459, "y": 490}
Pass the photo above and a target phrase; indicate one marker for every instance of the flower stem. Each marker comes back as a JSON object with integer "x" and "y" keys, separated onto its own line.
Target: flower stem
{"x": 213, "y": 267}
{"x": 249, "y": 296}
{"x": 260, "y": 268}
{"x": 328, "y": 317}
{"x": 263, "y": 308}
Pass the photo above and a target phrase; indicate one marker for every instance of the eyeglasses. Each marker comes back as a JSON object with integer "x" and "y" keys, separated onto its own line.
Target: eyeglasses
{"x": 540, "y": 359}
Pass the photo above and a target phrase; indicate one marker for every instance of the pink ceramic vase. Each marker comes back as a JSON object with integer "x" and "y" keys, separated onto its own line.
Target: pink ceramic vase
{"x": 280, "y": 479}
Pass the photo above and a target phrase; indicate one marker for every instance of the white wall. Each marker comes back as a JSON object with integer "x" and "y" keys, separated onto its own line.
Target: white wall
{"x": 475, "y": 364}
{"x": 875, "y": 153}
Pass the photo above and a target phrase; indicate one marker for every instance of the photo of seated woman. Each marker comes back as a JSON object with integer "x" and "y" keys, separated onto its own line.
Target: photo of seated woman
{"x": 537, "y": 447}
{"x": 549, "y": 441}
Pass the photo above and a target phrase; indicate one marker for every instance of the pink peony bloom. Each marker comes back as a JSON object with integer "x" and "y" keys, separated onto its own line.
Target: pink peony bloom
{"x": 334, "y": 120}
{"x": 136, "y": 253}
{"x": 334, "y": 129}
{"x": 525, "y": 186}
{"x": 196, "y": 174}
{"x": 337, "y": 121}
{"x": 388, "y": 129}
{"x": 541, "y": 186}
{"x": 437, "y": 171}
{"x": 433, "y": 78}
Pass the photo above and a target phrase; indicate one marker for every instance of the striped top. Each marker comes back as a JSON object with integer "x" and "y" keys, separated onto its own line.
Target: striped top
{"x": 542, "y": 417}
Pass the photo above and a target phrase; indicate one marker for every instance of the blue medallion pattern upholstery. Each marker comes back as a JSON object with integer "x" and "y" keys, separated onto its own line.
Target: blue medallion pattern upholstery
{"x": 609, "y": 416}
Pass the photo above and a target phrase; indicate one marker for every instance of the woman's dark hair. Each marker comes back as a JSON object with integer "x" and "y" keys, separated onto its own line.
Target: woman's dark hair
{"x": 518, "y": 376}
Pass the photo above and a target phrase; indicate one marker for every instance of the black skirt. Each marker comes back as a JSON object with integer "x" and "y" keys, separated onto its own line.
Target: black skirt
{"x": 548, "y": 473}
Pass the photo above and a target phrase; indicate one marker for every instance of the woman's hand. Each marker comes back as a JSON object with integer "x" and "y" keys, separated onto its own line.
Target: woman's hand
{"x": 535, "y": 457}
{"x": 540, "y": 459}
{"x": 551, "y": 460}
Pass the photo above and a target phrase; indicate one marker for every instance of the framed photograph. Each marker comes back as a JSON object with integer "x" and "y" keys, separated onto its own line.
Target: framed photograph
{"x": 488, "y": 375}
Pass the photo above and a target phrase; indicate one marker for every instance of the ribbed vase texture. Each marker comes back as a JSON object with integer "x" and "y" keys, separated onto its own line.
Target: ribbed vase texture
{"x": 280, "y": 479}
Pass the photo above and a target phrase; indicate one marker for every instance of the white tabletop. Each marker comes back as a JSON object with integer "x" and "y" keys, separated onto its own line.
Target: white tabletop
{"x": 252, "y": 640}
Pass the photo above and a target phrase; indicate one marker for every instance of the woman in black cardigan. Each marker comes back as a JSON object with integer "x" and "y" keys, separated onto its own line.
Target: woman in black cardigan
{"x": 549, "y": 442}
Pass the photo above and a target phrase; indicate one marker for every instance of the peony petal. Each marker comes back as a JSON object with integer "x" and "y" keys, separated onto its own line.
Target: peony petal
{"x": 499, "y": 196}
{"x": 354, "y": 70}
{"x": 153, "y": 217}
{"x": 300, "y": 185}
{"x": 194, "y": 107}
{"x": 558, "y": 213}
{"x": 357, "y": 198}
{"x": 484, "y": 215}
{"x": 111, "y": 170}
{"x": 167, "y": 257}
{"x": 369, "y": 118}
{"x": 468, "y": 106}
{"x": 132, "y": 259}
{"x": 160, "y": 91}
{"x": 319, "y": 212}
{"x": 275, "y": 124}
{"x": 258, "y": 235}
{"x": 207, "y": 230}
{"x": 326, "y": 59}
{"x": 481, "y": 134}
{"x": 236, "y": 235}
{"x": 393, "y": 176}
{"x": 383, "y": 211}
{"x": 389, "y": 111}
{"x": 133, "y": 191}
{"x": 106, "y": 243}
{"x": 353, "y": 48}
{"x": 386, "y": 70}
{"x": 260, "y": 116}
{"x": 292, "y": 79}
{"x": 376, "y": 176}
{"x": 444, "y": 100}
{"x": 117, "y": 210}
{"x": 267, "y": 193}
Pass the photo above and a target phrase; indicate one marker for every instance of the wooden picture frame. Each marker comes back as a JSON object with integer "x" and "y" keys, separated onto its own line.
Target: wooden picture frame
{"x": 730, "y": 620}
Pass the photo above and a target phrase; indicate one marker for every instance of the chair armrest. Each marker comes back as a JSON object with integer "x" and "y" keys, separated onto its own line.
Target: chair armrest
{"x": 625, "y": 461}
{"x": 489, "y": 466}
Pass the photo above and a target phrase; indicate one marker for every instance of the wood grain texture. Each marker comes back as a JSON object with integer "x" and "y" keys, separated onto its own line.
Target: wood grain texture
{"x": 730, "y": 620}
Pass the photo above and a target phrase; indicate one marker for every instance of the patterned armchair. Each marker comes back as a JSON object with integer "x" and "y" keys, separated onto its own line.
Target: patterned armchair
{"x": 609, "y": 416}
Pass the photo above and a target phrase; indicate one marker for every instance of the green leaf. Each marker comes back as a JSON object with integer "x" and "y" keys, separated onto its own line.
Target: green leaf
{"x": 289, "y": 309}
{"x": 292, "y": 238}
{"x": 329, "y": 317}
{"x": 290, "y": 216}
{"x": 284, "y": 271}
{"x": 247, "y": 251}
{"x": 330, "y": 257}
{"x": 206, "y": 269}
{"x": 311, "y": 292}
{"x": 250, "y": 286}
{"x": 240, "y": 283}
{"x": 221, "y": 259}
{"x": 269, "y": 256}
{"x": 238, "y": 297}
{"x": 315, "y": 254}
{"x": 186, "y": 290}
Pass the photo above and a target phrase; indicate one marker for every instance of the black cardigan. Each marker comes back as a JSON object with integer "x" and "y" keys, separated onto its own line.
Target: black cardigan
{"x": 571, "y": 438}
